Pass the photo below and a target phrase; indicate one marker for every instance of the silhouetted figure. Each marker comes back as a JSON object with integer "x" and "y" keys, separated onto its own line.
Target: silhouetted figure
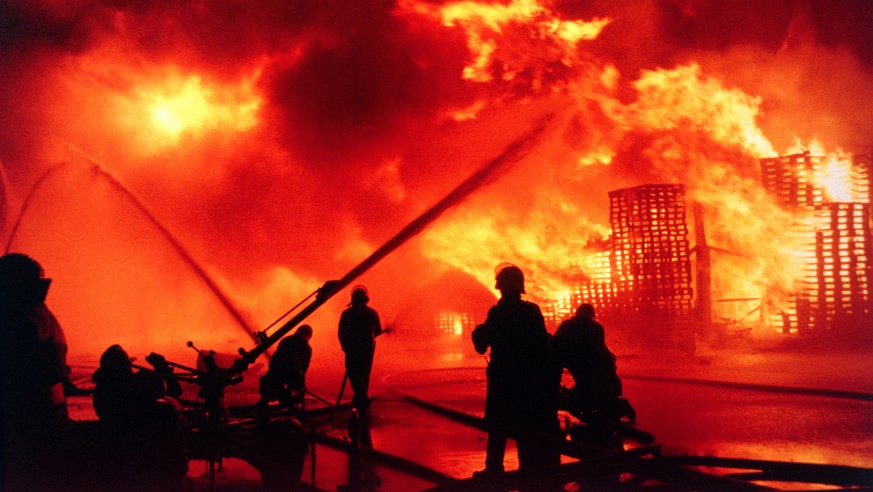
{"x": 33, "y": 351}
{"x": 167, "y": 373}
{"x": 359, "y": 326}
{"x": 285, "y": 379}
{"x": 579, "y": 345}
{"x": 521, "y": 399}
{"x": 142, "y": 429}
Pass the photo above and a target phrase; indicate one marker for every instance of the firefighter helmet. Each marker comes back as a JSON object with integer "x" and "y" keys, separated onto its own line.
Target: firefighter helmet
{"x": 360, "y": 295}
{"x": 585, "y": 310}
{"x": 22, "y": 279}
{"x": 509, "y": 279}
{"x": 305, "y": 331}
{"x": 115, "y": 360}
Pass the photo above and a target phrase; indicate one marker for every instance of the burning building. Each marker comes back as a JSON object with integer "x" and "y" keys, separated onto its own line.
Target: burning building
{"x": 830, "y": 200}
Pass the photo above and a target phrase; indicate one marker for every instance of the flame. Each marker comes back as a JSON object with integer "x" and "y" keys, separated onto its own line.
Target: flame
{"x": 602, "y": 155}
{"x": 553, "y": 263}
{"x": 158, "y": 107}
{"x": 194, "y": 107}
{"x": 485, "y": 23}
{"x": 815, "y": 147}
{"x": 671, "y": 98}
{"x": 832, "y": 172}
{"x": 188, "y": 105}
{"x": 699, "y": 132}
{"x": 835, "y": 178}
{"x": 453, "y": 323}
{"x": 121, "y": 89}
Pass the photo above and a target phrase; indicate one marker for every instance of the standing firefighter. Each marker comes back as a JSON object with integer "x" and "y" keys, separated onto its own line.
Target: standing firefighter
{"x": 359, "y": 326}
{"x": 522, "y": 383}
{"x": 33, "y": 351}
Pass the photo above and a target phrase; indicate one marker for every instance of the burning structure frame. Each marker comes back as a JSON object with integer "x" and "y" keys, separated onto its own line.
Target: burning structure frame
{"x": 834, "y": 229}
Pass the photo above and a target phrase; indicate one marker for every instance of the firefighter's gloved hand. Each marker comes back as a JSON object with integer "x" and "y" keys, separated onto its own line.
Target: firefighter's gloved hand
{"x": 480, "y": 342}
{"x": 159, "y": 362}
{"x": 327, "y": 290}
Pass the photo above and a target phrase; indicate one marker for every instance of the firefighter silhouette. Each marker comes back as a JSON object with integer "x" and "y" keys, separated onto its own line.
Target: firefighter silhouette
{"x": 33, "y": 351}
{"x": 579, "y": 345}
{"x": 285, "y": 379}
{"x": 522, "y": 388}
{"x": 359, "y": 326}
{"x": 142, "y": 436}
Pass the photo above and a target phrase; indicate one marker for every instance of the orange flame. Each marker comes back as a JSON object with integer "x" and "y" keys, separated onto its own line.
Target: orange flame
{"x": 672, "y": 125}
{"x": 194, "y": 107}
{"x": 670, "y": 98}
{"x": 161, "y": 106}
{"x": 835, "y": 178}
{"x": 484, "y": 23}
{"x": 834, "y": 172}
{"x": 700, "y": 133}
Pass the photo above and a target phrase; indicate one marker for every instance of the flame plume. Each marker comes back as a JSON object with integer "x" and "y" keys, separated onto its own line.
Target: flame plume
{"x": 281, "y": 142}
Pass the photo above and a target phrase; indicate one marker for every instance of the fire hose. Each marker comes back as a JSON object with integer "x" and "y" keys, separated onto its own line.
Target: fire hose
{"x": 513, "y": 153}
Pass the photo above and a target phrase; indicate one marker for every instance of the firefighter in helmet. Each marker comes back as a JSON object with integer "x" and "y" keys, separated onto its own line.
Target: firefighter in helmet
{"x": 522, "y": 390}
{"x": 33, "y": 367}
{"x": 579, "y": 344}
{"x": 359, "y": 326}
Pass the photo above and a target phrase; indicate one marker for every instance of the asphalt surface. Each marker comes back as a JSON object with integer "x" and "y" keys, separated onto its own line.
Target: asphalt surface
{"x": 753, "y": 401}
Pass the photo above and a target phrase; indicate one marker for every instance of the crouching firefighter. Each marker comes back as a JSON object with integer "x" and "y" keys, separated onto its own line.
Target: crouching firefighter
{"x": 285, "y": 379}
{"x": 579, "y": 345}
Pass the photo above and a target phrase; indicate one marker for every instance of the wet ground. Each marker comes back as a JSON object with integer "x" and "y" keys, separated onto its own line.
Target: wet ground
{"x": 767, "y": 402}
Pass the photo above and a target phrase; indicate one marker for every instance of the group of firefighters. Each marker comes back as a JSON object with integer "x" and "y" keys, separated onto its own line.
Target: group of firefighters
{"x": 524, "y": 374}
{"x": 524, "y": 391}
